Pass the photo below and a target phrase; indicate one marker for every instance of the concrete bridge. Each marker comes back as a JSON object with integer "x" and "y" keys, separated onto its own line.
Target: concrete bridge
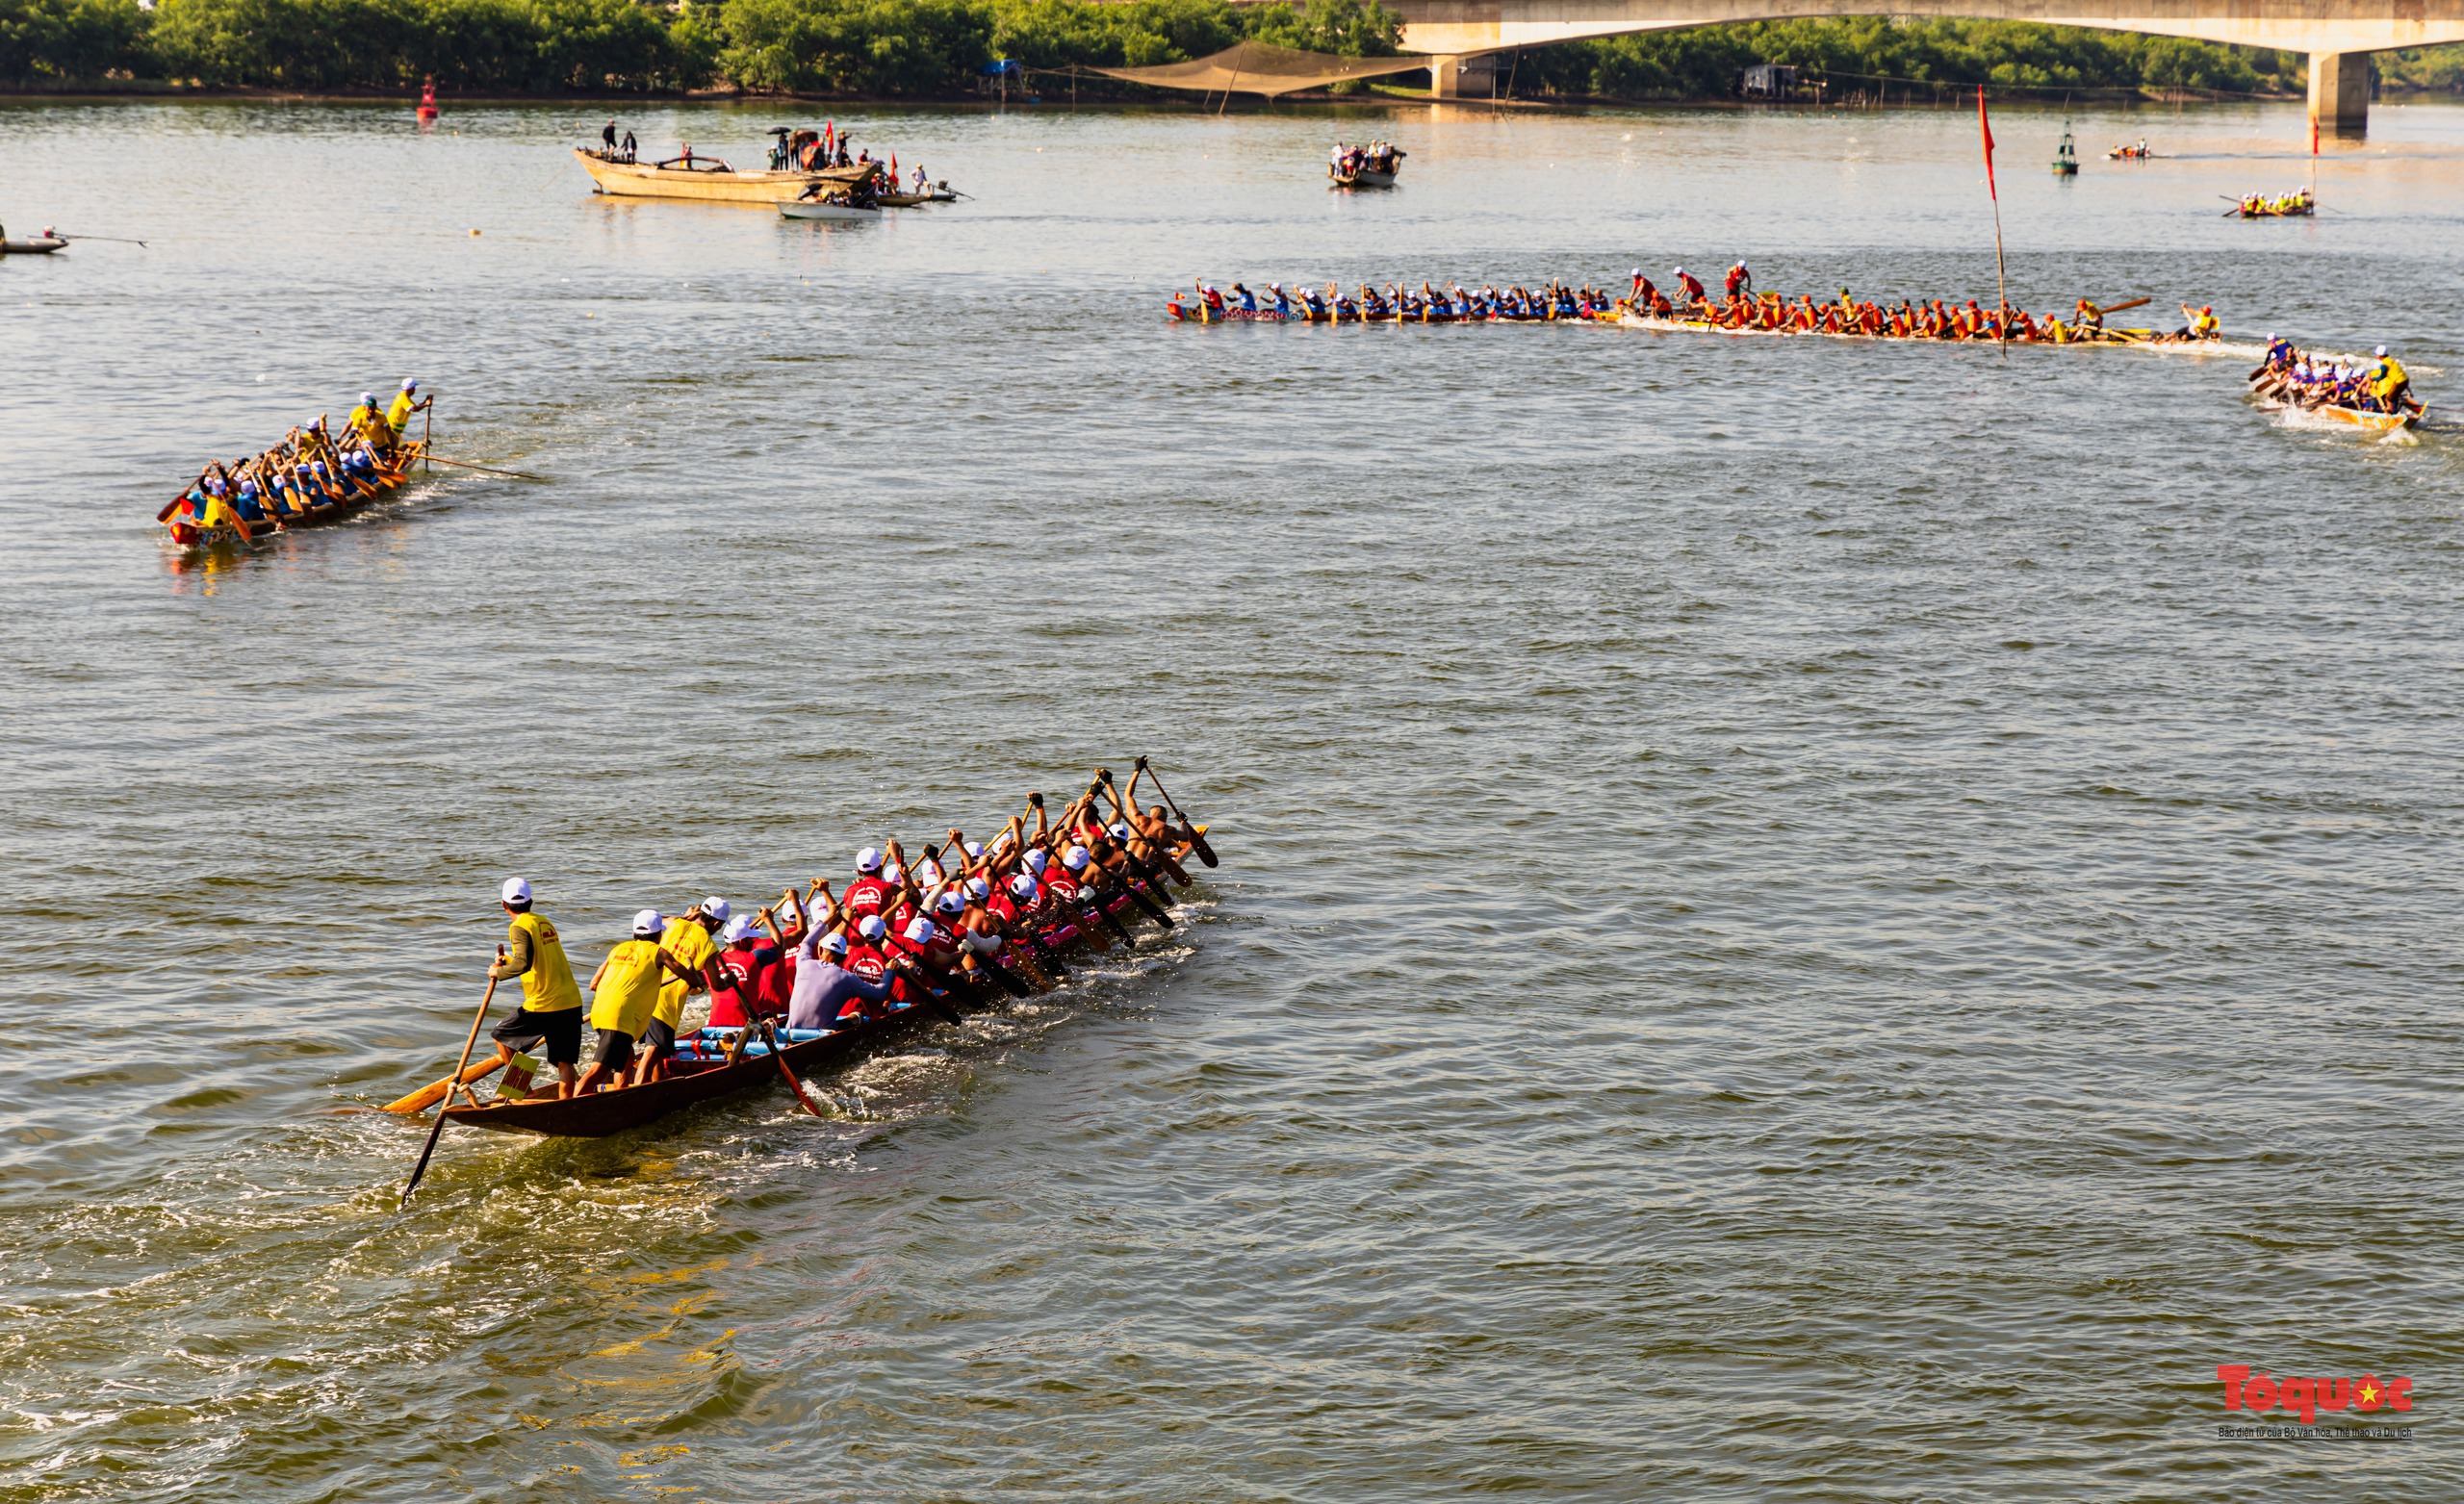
{"x": 2338, "y": 34}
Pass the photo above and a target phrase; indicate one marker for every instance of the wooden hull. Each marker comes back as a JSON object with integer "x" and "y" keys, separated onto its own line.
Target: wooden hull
{"x": 1364, "y": 178}
{"x": 605, "y": 1112}
{"x": 842, "y": 213}
{"x": 34, "y": 247}
{"x": 188, "y": 536}
{"x": 642, "y": 180}
{"x": 2371, "y": 422}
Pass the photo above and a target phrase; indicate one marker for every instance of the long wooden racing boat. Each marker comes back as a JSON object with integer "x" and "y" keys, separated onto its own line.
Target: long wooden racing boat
{"x": 695, "y": 1082}
{"x": 188, "y": 534}
{"x": 708, "y": 179}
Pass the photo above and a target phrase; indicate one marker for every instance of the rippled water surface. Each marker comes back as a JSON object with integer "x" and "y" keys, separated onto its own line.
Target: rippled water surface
{"x": 1801, "y": 919}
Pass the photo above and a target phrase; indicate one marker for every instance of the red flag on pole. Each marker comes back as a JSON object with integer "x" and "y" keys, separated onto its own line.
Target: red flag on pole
{"x": 2314, "y": 136}
{"x": 1986, "y": 127}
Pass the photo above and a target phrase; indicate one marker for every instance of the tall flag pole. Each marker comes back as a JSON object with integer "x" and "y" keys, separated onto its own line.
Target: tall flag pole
{"x": 2002, "y": 286}
{"x": 2314, "y": 156}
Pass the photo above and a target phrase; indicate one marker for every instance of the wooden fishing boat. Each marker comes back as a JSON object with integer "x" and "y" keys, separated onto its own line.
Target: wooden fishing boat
{"x": 699, "y": 1081}
{"x": 187, "y": 535}
{"x": 708, "y": 179}
{"x": 40, "y": 245}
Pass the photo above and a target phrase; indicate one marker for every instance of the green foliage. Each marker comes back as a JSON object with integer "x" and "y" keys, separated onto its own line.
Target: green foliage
{"x": 864, "y": 46}
{"x": 2439, "y": 69}
{"x": 914, "y": 47}
{"x": 1862, "y": 52}
{"x": 65, "y": 39}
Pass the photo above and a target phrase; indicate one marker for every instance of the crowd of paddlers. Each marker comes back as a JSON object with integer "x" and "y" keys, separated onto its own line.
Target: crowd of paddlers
{"x": 312, "y": 470}
{"x": 2271, "y": 206}
{"x": 1686, "y": 302}
{"x": 2313, "y": 381}
{"x": 905, "y": 931}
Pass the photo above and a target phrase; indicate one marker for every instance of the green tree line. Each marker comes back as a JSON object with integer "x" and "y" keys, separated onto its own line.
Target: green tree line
{"x": 929, "y": 47}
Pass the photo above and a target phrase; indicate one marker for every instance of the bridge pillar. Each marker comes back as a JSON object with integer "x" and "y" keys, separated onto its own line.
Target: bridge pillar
{"x": 2340, "y": 92}
{"x": 1444, "y": 77}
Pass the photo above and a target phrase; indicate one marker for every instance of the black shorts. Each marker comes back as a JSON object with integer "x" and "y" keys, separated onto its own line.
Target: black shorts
{"x": 561, "y": 1030}
{"x": 660, "y": 1038}
{"x": 615, "y": 1049}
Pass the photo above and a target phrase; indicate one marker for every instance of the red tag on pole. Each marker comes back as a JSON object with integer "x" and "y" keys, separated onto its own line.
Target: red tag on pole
{"x": 1986, "y": 128}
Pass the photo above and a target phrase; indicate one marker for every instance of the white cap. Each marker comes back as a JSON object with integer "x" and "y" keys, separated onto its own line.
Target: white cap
{"x": 894, "y": 873}
{"x": 929, "y": 873}
{"x": 1075, "y": 859}
{"x": 869, "y": 860}
{"x": 1120, "y": 831}
{"x": 1023, "y": 885}
{"x": 717, "y": 908}
{"x": 974, "y": 849}
{"x": 1038, "y": 861}
{"x": 872, "y": 927}
{"x": 517, "y": 891}
{"x": 738, "y": 927}
{"x": 918, "y": 930}
{"x": 834, "y": 944}
{"x": 951, "y": 901}
{"x": 2381, "y": 352}
{"x": 648, "y": 924}
{"x": 978, "y": 888}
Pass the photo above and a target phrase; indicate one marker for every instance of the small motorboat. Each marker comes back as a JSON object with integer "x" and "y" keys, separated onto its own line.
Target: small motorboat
{"x": 819, "y": 209}
{"x": 40, "y": 245}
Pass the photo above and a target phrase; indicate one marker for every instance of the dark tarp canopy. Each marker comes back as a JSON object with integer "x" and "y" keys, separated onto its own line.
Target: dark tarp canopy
{"x": 1253, "y": 67}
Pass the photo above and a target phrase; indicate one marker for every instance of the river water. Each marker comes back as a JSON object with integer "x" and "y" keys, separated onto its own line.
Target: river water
{"x": 1800, "y": 919}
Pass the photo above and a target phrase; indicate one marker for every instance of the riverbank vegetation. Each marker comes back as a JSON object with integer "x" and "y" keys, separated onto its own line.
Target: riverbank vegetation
{"x": 939, "y": 48}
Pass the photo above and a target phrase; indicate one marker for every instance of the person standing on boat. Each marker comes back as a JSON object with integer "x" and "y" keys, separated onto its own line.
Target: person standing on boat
{"x": 551, "y": 1011}
{"x": 2389, "y": 383}
{"x": 624, "y": 993}
{"x": 631, "y": 148}
{"x": 608, "y": 135}
{"x": 696, "y": 968}
{"x": 406, "y": 402}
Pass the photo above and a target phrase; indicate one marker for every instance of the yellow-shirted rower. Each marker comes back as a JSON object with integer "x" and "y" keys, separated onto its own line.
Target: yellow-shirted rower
{"x": 694, "y": 957}
{"x": 398, "y": 416}
{"x": 624, "y": 994}
{"x": 551, "y": 1011}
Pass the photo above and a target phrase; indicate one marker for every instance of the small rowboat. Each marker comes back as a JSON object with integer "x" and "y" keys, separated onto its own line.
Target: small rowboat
{"x": 40, "y": 245}
{"x": 702, "y": 1071}
{"x": 187, "y": 534}
{"x": 814, "y": 209}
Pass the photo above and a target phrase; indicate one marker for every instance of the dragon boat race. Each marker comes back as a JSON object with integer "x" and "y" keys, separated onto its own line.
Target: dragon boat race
{"x": 1365, "y": 802}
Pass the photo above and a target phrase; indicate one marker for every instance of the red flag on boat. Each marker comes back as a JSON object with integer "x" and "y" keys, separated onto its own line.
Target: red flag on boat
{"x": 2314, "y": 136}
{"x": 1985, "y": 127}
{"x": 893, "y": 169}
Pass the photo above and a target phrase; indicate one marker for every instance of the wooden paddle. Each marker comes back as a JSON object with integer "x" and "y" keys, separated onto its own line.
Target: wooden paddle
{"x": 1088, "y": 909}
{"x": 437, "y": 1128}
{"x": 2114, "y": 308}
{"x": 1126, "y": 885}
{"x": 1197, "y": 842}
{"x": 779, "y": 1053}
{"x": 438, "y": 459}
